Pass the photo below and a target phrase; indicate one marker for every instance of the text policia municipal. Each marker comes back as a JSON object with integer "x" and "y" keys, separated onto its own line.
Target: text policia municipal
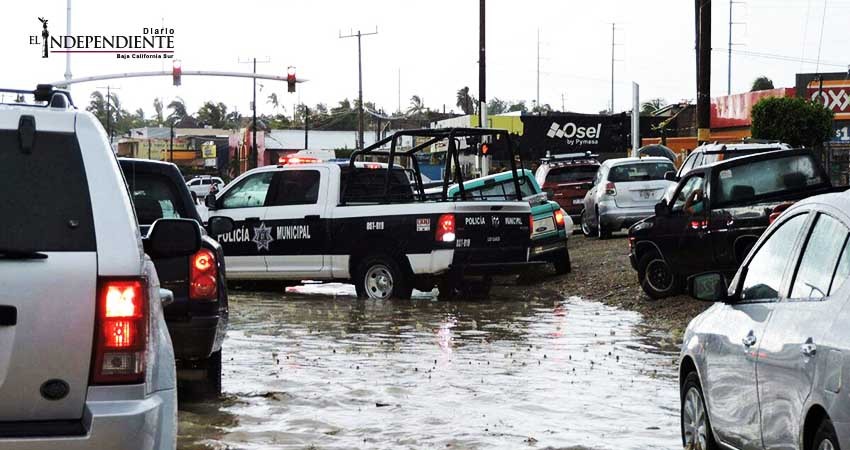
{"x": 150, "y": 39}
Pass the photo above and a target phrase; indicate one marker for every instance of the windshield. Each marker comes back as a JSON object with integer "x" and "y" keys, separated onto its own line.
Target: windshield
{"x": 765, "y": 178}
{"x": 642, "y": 171}
{"x": 571, "y": 174}
{"x": 154, "y": 198}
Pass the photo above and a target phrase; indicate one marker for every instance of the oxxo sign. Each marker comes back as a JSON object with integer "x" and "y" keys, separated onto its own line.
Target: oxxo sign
{"x": 834, "y": 95}
{"x": 575, "y": 134}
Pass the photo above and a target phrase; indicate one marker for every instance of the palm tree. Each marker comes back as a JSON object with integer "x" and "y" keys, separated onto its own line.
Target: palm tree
{"x": 157, "y": 107}
{"x": 653, "y": 105}
{"x": 178, "y": 110}
{"x": 273, "y": 100}
{"x": 416, "y": 105}
{"x": 465, "y": 101}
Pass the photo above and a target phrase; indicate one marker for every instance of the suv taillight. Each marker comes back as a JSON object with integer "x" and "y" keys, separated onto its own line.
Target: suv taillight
{"x": 610, "y": 189}
{"x": 446, "y": 228}
{"x": 203, "y": 273}
{"x": 121, "y": 332}
{"x": 559, "y": 218}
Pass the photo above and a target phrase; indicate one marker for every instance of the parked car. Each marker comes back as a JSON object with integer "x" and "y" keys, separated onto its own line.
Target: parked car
{"x": 368, "y": 224}
{"x": 86, "y": 359}
{"x": 197, "y": 319}
{"x": 565, "y": 179}
{"x": 710, "y": 153}
{"x": 551, "y": 226}
{"x": 716, "y": 214}
{"x": 202, "y": 185}
{"x": 767, "y": 365}
{"x": 624, "y": 192}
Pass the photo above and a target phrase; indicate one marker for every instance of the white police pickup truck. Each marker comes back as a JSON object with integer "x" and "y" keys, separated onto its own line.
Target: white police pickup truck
{"x": 370, "y": 223}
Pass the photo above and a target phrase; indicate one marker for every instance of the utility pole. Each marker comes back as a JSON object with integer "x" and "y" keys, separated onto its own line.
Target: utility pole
{"x": 482, "y": 82}
{"x": 538, "y": 71}
{"x": 704, "y": 70}
{"x": 108, "y": 111}
{"x": 613, "y": 44}
{"x": 360, "y": 82}
{"x": 306, "y": 125}
{"x": 729, "y": 49}
{"x": 252, "y": 158}
{"x": 399, "y": 90}
{"x": 563, "y": 103}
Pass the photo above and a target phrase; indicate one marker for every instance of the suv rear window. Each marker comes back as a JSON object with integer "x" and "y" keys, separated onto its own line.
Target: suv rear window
{"x": 768, "y": 177}
{"x": 643, "y": 171}
{"x": 154, "y": 197}
{"x": 571, "y": 174}
{"x": 46, "y": 204}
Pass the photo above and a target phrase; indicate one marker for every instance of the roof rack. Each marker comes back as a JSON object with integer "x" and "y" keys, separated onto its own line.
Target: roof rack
{"x": 55, "y": 98}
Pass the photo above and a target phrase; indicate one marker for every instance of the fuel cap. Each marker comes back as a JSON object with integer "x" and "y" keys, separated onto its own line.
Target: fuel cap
{"x": 54, "y": 389}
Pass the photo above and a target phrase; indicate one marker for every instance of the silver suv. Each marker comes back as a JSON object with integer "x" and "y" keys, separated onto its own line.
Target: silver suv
{"x": 768, "y": 366}
{"x": 85, "y": 357}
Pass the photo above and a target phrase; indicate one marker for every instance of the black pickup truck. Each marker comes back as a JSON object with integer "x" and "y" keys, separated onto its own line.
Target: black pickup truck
{"x": 716, "y": 214}
{"x": 197, "y": 319}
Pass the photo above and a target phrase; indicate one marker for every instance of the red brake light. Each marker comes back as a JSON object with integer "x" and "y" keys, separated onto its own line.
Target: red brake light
{"x": 531, "y": 224}
{"x": 373, "y": 166}
{"x": 559, "y": 218}
{"x": 699, "y": 224}
{"x": 610, "y": 189}
{"x": 203, "y": 283}
{"x": 446, "y": 228}
{"x": 121, "y": 332}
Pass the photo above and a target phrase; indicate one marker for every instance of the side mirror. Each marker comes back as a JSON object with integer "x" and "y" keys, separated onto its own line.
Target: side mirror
{"x": 671, "y": 176}
{"x": 661, "y": 209}
{"x": 218, "y": 225}
{"x": 709, "y": 287}
{"x": 209, "y": 201}
{"x": 166, "y": 296}
{"x": 170, "y": 238}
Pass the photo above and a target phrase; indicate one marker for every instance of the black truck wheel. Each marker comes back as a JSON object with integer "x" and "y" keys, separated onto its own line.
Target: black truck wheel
{"x": 205, "y": 383}
{"x": 656, "y": 278}
{"x": 380, "y": 277}
{"x": 562, "y": 262}
{"x": 586, "y": 229}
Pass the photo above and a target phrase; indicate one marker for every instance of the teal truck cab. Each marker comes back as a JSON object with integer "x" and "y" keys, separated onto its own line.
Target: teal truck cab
{"x": 551, "y": 226}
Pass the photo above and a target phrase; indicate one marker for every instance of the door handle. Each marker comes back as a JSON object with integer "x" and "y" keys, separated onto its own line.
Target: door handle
{"x": 311, "y": 217}
{"x": 809, "y": 349}
{"x": 749, "y": 340}
{"x": 8, "y": 316}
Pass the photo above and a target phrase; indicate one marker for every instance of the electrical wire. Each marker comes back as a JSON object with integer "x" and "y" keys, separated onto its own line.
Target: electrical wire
{"x": 820, "y": 44}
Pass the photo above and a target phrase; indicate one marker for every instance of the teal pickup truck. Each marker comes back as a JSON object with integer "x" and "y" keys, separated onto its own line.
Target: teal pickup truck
{"x": 551, "y": 227}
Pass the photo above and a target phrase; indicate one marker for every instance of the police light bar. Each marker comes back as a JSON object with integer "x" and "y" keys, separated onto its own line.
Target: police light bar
{"x": 285, "y": 160}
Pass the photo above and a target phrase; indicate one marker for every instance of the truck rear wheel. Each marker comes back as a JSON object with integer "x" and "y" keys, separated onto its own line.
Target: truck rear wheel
{"x": 380, "y": 277}
{"x": 204, "y": 380}
{"x": 562, "y": 262}
{"x": 657, "y": 278}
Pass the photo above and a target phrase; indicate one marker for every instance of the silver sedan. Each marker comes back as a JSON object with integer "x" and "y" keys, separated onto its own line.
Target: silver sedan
{"x": 768, "y": 366}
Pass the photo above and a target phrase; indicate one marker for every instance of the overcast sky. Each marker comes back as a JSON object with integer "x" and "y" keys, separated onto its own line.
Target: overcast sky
{"x": 434, "y": 45}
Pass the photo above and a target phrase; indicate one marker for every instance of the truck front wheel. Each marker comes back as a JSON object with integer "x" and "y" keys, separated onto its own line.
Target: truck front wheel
{"x": 380, "y": 277}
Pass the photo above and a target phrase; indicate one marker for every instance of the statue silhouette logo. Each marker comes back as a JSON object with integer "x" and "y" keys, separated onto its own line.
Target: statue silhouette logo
{"x": 45, "y": 37}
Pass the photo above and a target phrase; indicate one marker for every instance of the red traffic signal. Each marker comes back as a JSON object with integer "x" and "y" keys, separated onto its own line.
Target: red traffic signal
{"x": 290, "y": 78}
{"x": 176, "y": 72}
{"x": 485, "y": 149}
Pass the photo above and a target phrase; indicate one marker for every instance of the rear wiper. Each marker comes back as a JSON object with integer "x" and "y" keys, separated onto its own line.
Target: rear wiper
{"x": 6, "y": 253}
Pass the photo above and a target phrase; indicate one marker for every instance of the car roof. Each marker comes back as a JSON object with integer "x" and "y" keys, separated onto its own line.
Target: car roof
{"x": 741, "y": 146}
{"x": 757, "y": 157}
{"x": 630, "y": 160}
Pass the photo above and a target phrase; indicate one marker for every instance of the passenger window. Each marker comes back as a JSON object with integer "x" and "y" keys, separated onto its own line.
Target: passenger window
{"x": 296, "y": 187}
{"x": 688, "y": 164}
{"x": 692, "y": 189}
{"x": 820, "y": 259}
{"x": 250, "y": 192}
{"x": 765, "y": 270}
{"x": 843, "y": 269}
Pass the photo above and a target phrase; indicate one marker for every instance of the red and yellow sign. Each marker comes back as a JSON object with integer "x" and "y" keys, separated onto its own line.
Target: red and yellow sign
{"x": 834, "y": 94}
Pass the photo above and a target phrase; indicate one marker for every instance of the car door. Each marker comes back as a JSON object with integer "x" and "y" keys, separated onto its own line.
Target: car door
{"x": 298, "y": 223}
{"x": 730, "y": 378}
{"x": 682, "y": 236}
{"x": 788, "y": 354}
{"x": 590, "y": 197}
{"x": 246, "y": 246}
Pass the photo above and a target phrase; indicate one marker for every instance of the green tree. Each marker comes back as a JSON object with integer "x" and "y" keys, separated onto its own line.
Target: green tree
{"x": 792, "y": 120}
{"x": 273, "y": 101}
{"x": 212, "y": 114}
{"x": 158, "y": 119}
{"x": 497, "y": 106}
{"x": 178, "y": 110}
{"x": 465, "y": 101}
{"x": 650, "y": 106}
{"x": 762, "y": 83}
{"x": 518, "y": 106}
{"x": 416, "y": 106}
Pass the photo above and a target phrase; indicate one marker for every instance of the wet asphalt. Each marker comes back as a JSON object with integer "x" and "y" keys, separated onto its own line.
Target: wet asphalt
{"x": 314, "y": 367}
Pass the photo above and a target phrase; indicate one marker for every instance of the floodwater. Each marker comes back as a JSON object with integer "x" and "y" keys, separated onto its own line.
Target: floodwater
{"x": 316, "y": 368}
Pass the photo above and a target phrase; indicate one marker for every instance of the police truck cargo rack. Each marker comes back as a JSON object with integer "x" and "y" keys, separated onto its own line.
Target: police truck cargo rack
{"x": 370, "y": 222}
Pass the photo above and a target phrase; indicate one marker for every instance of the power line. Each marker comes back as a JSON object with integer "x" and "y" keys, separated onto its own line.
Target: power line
{"x": 780, "y": 57}
{"x": 820, "y": 43}
{"x": 805, "y": 33}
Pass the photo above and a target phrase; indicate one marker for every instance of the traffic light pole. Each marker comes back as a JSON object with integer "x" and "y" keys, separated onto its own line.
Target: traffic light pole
{"x": 482, "y": 84}
{"x": 253, "y": 158}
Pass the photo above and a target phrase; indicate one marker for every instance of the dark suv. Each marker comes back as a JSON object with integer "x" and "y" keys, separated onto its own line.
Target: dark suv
{"x": 566, "y": 179}
{"x": 197, "y": 319}
{"x": 709, "y": 153}
{"x": 717, "y": 212}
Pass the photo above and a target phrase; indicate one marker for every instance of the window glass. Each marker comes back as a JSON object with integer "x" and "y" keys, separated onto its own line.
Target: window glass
{"x": 763, "y": 178}
{"x": 154, "y": 198}
{"x": 297, "y": 187}
{"x": 820, "y": 258}
{"x": 250, "y": 192}
{"x": 843, "y": 269}
{"x": 644, "y": 171}
{"x": 571, "y": 174}
{"x": 368, "y": 186}
{"x": 693, "y": 183}
{"x": 688, "y": 164}
{"x": 765, "y": 270}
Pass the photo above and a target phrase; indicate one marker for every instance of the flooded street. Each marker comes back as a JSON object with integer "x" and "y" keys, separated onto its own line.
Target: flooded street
{"x": 321, "y": 369}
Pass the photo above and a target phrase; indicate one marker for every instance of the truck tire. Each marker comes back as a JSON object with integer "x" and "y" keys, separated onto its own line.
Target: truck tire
{"x": 656, "y": 278}
{"x": 380, "y": 277}
{"x": 562, "y": 262}
{"x": 208, "y": 387}
{"x": 586, "y": 229}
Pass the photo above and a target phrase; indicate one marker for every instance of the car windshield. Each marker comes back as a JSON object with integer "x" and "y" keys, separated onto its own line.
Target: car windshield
{"x": 154, "y": 198}
{"x": 641, "y": 171}
{"x": 571, "y": 174}
{"x": 766, "y": 178}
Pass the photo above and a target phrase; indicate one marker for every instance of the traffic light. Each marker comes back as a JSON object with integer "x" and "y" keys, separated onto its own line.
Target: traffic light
{"x": 290, "y": 78}
{"x": 485, "y": 149}
{"x": 176, "y": 72}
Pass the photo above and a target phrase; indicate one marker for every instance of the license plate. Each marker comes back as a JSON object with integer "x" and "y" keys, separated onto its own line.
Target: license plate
{"x": 578, "y": 201}
{"x": 646, "y": 195}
